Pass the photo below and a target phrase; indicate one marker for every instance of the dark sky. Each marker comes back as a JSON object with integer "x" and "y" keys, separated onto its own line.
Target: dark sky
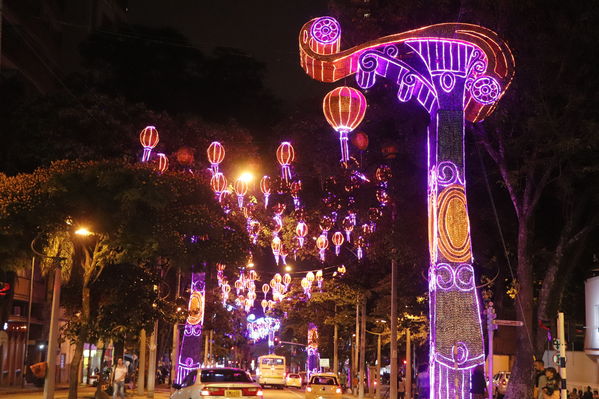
{"x": 265, "y": 29}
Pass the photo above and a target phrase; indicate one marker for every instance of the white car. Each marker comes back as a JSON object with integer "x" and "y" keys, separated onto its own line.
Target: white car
{"x": 217, "y": 383}
{"x": 293, "y": 380}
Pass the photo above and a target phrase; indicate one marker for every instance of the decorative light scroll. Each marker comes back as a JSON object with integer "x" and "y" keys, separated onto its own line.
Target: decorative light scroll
{"x": 189, "y": 352}
{"x": 313, "y": 358}
{"x": 459, "y": 73}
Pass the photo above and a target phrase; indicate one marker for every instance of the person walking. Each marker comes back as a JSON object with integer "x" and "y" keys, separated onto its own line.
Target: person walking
{"x": 540, "y": 379}
{"x": 118, "y": 379}
{"x": 478, "y": 383}
{"x": 551, "y": 390}
{"x": 588, "y": 394}
{"x": 401, "y": 388}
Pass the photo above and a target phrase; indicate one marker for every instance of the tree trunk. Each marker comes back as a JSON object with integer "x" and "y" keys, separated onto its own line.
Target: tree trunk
{"x": 520, "y": 386}
{"x": 74, "y": 371}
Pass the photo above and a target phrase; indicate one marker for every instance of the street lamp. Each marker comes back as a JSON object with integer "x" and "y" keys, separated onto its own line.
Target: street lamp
{"x": 83, "y": 231}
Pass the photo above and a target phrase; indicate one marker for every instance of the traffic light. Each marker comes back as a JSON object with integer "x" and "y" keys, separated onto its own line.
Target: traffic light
{"x": 277, "y": 341}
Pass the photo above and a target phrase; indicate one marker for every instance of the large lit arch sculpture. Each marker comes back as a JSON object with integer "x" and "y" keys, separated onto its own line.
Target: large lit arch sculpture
{"x": 457, "y": 72}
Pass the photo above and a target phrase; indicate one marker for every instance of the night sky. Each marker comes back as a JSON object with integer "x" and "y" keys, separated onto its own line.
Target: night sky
{"x": 265, "y": 29}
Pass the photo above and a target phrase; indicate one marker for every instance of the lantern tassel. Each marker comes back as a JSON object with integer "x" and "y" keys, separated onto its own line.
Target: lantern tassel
{"x": 146, "y": 156}
{"x": 266, "y": 200}
{"x": 343, "y": 143}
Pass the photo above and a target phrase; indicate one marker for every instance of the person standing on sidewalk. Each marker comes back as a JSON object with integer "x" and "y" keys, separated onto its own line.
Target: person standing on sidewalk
{"x": 478, "y": 383}
{"x": 118, "y": 379}
{"x": 401, "y": 388}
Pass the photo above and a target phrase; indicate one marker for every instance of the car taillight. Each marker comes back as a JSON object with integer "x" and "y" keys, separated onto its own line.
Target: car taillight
{"x": 338, "y": 390}
{"x": 205, "y": 392}
{"x": 251, "y": 392}
{"x": 308, "y": 389}
{"x": 259, "y": 393}
{"x": 212, "y": 391}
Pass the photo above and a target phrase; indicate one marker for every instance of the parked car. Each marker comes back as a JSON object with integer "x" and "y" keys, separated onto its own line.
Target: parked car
{"x": 293, "y": 380}
{"x": 323, "y": 386}
{"x": 500, "y": 381}
{"x": 217, "y": 383}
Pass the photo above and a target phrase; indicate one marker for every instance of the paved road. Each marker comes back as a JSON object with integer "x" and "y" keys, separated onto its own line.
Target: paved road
{"x": 88, "y": 393}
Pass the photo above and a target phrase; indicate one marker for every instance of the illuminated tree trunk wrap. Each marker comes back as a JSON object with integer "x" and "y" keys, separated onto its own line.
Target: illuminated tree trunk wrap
{"x": 457, "y": 72}
{"x": 191, "y": 344}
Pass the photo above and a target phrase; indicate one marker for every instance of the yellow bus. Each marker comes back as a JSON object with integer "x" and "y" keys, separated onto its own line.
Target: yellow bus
{"x": 271, "y": 371}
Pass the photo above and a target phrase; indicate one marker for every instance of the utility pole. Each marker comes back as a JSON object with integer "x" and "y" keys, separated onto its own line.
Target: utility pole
{"x": 142, "y": 362}
{"x": 393, "y": 343}
{"x": 152, "y": 360}
{"x": 335, "y": 348}
{"x": 362, "y": 351}
{"x": 355, "y": 371}
{"x": 26, "y": 346}
{"x": 378, "y": 367}
{"x": 561, "y": 335}
{"x": 408, "y": 364}
{"x": 206, "y": 348}
{"x": 53, "y": 336}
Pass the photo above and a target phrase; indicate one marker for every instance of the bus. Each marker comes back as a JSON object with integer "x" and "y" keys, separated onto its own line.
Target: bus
{"x": 271, "y": 371}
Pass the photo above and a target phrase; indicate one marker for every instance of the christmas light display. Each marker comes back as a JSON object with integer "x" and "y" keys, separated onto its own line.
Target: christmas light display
{"x": 344, "y": 108}
{"x": 218, "y": 183}
{"x": 313, "y": 356}
{"x": 265, "y": 188}
{"x": 216, "y": 154}
{"x": 162, "y": 162}
{"x": 189, "y": 352}
{"x": 262, "y": 327}
{"x": 337, "y": 241}
{"x": 322, "y": 243}
{"x": 459, "y": 72}
{"x": 301, "y": 230}
{"x": 149, "y": 139}
{"x": 241, "y": 189}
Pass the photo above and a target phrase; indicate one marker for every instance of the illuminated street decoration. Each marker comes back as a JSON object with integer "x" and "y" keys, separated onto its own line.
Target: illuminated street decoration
{"x": 189, "y": 352}
{"x": 216, "y": 154}
{"x": 344, "y": 108}
{"x": 162, "y": 162}
{"x": 265, "y": 188}
{"x": 313, "y": 356}
{"x": 457, "y": 72}
{"x": 149, "y": 139}
{"x": 285, "y": 155}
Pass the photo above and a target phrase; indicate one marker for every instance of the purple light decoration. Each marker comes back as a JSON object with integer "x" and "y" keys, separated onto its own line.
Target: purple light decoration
{"x": 461, "y": 73}
{"x": 149, "y": 139}
{"x": 189, "y": 352}
{"x": 313, "y": 358}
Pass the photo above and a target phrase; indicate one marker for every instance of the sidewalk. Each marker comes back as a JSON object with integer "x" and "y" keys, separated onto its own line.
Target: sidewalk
{"x": 84, "y": 392}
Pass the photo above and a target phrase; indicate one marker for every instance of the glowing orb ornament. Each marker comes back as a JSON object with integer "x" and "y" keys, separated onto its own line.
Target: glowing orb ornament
{"x": 348, "y": 226}
{"x": 301, "y": 230}
{"x": 344, "y": 107}
{"x": 319, "y": 279}
{"x": 295, "y": 189}
{"x": 149, "y": 139}
{"x": 337, "y": 241}
{"x": 275, "y": 245}
{"x": 265, "y": 289}
{"x": 264, "y": 304}
{"x": 322, "y": 243}
{"x": 241, "y": 189}
{"x": 218, "y": 183}
{"x": 162, "y": 162}
{"x": 216, "y": 154}
{"x": 285, "y": 155}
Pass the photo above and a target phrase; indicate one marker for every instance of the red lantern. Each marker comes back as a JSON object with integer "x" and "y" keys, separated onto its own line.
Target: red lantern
{"x": 302, "y": 231}
{"x": 149, "y": 139}
{"x": 285, "y": 155}
{"x": 241, "y": 189}
{"x": 265, "y": 188}
{"x": 162, "y": 162}
{"x": 344, "y": 108}
{"x": 185, "y": 156}
{"x": 218, "y": 182}
{"x": 216, "y": 154}
{"x": 338, "y": 241}
{"x": 360, "y": 141}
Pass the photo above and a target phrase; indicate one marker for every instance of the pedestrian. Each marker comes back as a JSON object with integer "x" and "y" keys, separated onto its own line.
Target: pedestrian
{"x": 595, "y": 394}
{"x": 551, "y": 390}
{"x": 118, "y": 379}
{"x": 478, "y": 383}
{"x": 401, "y": 388}
{"x": 588, "y": 394}
{"x": 573, "y": 394}
{"x": 540, "y": 379}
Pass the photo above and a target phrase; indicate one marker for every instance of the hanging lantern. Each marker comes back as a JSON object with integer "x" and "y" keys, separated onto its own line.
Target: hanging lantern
{"x": 251, "y": 295}
{"x": 295, "y": 189}
{"x": 325, "y": 225}
{"x": 216, "y": 154}
{"x": 348, "y": 226}
{"x": 341, "y": 269}
{"x": 278, "y": 209}
{"x": 162, "y": 162}
{"x": 185, "y": 156}
{"x": 310, "y": 277}
{"x": 337, "y": 241}
{"x": 241, "y": 189}
{"x": 238, "y": 286}
{"x": 264, "y": 304}
{"x": 278, "y": 278}
{"x": 285, "y": 155}
{"x": 287, "y": 280}
{"x": 265, "y": 289}
{"x": 226, "y": 288}
{"x": 265, "y": 188}
{"x": 322, "y": 243}
{"x": 276, "y": 248}
{"x": 273, "y": 283}
{"x": 360, "y": 242}
{"x": 218, "y": 183}
{"x": 383, "y": 175}
{"x": 284, "y": 253}
{"x": 271, "y": 304}
{"x": 254, "y": 230}
{"x": 344, "y": 107}
{"x": 253, "y": 275}
{"x": 149, "y": 139}
{"x": 306, "y": 286}
{"x": 360, "y": 141}
{"x": 301, "y": 230}
{"x": 319, "y": 279}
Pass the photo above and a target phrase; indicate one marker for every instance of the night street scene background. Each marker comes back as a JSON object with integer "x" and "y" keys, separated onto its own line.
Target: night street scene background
{"x": 267, "y": 199}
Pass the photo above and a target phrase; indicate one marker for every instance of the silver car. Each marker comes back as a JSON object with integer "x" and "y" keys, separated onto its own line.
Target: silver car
{"x": 500, "y": 381}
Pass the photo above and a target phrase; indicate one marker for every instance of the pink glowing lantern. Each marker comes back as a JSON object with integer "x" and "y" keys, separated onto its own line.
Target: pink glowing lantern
{"x": 218, "y": 183}
{"x": 337, "y": 241}
{"x": 275, "y": 245}
{"x": 149, "y": 139}
{"x": 322, "y": 243}
{"x": 344, "y": 107}
{"x": 241, "y": 189}
{"x": 162, "y": 162}
{"x": 285, "y": 155}
{"x": 265, "y": 289}
{"x": 265, "y": 188}
{"x": 216, "y": 154}
{"x": 301, "y": 230}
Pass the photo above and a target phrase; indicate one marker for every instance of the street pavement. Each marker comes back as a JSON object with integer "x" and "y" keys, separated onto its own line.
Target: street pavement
{"x": 161, "y": 393}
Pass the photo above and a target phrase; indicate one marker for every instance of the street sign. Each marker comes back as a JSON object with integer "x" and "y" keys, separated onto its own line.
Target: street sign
{"x": 324, "y": 362}
{"x": 510, "y": 323}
